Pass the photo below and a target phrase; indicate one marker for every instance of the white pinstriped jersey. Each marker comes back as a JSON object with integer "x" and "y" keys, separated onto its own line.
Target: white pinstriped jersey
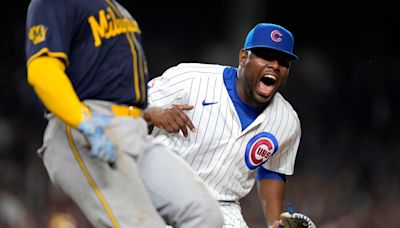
{"x": 223, "y": 155}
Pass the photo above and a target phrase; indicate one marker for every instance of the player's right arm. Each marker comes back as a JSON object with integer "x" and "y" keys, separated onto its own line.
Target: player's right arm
{"x": 172, "y": 119}
{"x": 47, "y": 77}
{"x": 168, "y": 103}
{"x": 47, "y": 50}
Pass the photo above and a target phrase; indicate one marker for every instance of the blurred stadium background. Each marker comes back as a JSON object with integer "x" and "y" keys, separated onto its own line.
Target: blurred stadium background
{"x": 345, "y": 88}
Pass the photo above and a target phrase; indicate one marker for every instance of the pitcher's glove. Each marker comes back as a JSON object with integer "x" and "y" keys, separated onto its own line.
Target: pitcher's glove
{"x": 295, "y": 220}
{"x": 101, "y": 147}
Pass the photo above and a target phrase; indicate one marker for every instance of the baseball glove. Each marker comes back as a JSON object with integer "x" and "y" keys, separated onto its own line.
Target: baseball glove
{"x": 295, "y": 220}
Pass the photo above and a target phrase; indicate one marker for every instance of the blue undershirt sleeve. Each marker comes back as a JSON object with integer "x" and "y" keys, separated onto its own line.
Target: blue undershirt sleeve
{"x": 263, "y": 173}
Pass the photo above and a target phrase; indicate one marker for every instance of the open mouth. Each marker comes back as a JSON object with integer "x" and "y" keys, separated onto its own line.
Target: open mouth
{"x": 266, "y": 85}
{"x": 268, "y": 80}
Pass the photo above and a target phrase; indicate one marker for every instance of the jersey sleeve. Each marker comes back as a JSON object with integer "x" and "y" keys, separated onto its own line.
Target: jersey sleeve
{"x": 284, "y": 158}
{"x": 49, "y": 28}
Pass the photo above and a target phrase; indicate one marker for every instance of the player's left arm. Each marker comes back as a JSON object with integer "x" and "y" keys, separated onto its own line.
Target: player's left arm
{"x": 271, "y": 191}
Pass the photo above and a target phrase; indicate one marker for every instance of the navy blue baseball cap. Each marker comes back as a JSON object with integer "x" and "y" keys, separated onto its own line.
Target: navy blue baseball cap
{"x": 271, "y": 36}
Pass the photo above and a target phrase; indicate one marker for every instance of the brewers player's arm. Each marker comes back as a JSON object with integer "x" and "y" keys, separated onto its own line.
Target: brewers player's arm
{"x": 171, "y": 119}
{"x": 47, "y": 77}
{"x": 271, "y": 193}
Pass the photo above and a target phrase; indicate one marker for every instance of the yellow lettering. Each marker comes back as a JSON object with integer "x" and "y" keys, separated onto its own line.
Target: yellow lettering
{"x": 114, "y": 22}
{"x": 109, "y": 26}
{"x": 123, "y": 25}
{"x": 98, "y": 30}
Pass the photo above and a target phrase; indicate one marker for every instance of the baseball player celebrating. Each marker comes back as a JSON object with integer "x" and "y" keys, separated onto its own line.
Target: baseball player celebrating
{"x": 242, "y": 128}
{"x": 86, "y": 63}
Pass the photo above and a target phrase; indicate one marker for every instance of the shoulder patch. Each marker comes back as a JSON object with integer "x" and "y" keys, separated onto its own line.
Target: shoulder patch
{"x": 261, "y": 147}
{"x": 37, "y": 34}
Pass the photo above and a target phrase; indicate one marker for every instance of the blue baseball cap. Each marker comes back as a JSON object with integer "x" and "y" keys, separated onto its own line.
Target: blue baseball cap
{"x": 272, "y": 36}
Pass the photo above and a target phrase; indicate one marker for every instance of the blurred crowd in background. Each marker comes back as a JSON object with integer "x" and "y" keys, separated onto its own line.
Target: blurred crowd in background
{"x": 345, "y": 88}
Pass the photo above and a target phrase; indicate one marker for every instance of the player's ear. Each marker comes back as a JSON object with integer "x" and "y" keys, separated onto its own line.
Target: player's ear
{"x": 242, "y": 57}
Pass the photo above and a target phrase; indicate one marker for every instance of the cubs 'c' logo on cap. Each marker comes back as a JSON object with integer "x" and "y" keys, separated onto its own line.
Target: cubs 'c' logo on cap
{"x": 276, "y": 35}
{"x": 261, "y": 147}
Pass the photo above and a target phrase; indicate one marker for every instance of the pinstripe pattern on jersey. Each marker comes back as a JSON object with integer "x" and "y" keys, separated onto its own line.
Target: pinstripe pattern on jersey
{"x": 216, "y": 151}
{"x": 232, "y": 215}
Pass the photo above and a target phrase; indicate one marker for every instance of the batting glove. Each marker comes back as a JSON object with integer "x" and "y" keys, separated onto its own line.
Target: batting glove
{"x": 101, "y": 147}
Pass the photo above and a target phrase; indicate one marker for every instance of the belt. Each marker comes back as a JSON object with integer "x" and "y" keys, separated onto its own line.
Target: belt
{"x": 131, "y": 111}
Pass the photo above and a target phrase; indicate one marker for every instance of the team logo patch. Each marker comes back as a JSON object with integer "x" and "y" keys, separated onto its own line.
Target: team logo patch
{"x": 276, "y": 35}
{"x": 261, "y": 147}
{"x": 37, "y": 34}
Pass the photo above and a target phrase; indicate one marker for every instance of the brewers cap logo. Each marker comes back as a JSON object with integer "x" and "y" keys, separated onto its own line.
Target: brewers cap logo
{"x": 261, "y": 147}
{"x": 276, "y": 35}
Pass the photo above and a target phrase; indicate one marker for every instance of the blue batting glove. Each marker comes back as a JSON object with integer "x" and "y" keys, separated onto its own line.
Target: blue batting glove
{"x": 101, "y": 147}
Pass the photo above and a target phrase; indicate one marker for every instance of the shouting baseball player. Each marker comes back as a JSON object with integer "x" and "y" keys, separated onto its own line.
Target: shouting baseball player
{"x": 86, "y": 63}
{"x": 242, "y": 128}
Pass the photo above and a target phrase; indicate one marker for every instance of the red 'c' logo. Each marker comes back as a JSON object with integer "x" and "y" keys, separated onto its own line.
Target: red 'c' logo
{"x": 259, "y": 149}
{"x": 276, "y": 35}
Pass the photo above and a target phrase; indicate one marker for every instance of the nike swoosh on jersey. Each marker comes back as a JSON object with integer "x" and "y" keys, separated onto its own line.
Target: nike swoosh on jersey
{"x": 204, "y": 103}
